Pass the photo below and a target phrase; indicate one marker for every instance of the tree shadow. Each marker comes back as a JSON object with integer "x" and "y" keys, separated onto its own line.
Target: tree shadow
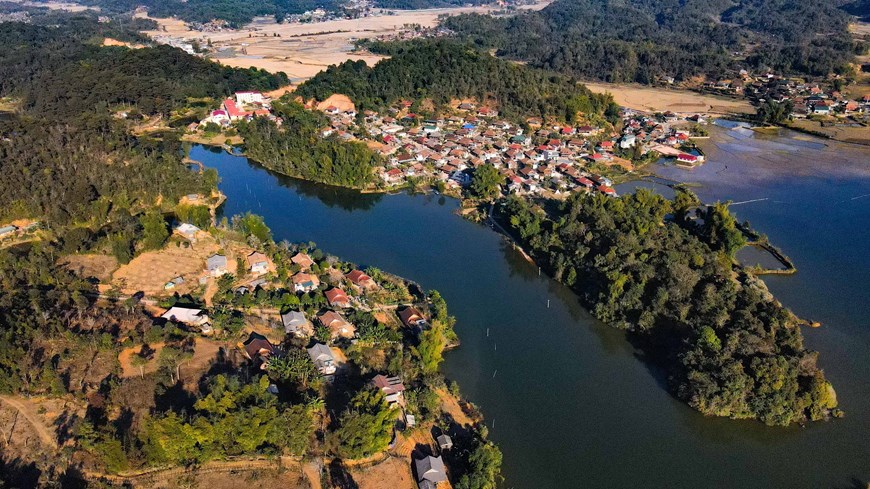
{"x": 339, "y": 476}
{"x": 18, "y": 473}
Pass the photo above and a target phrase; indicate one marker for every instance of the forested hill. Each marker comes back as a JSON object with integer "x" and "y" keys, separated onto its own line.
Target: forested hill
{"x": 64, "y": 156}
{"x": 444, "y": 70}
{"x": 645, "y": 40}
{"x": 63, "y": 71}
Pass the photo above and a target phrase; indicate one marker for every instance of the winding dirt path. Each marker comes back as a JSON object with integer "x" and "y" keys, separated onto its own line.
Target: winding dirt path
{"x": 26, "y": 410}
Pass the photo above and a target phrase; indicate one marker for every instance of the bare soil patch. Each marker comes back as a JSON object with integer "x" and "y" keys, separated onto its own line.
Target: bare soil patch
{"x": 108, "y": 41}
{"x": 341, "y": 102}
{"x": 99, "y": 267}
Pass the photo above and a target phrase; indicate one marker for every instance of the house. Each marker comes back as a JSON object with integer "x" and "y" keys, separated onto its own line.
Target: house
{"x": 173, "y": 283}
{"x": 322, "y": 358}
{"x": 7, "y": 230}
{"x": 185, "y": 315}
{"x": 257, "y": 348}
{"x": 338, "y": 326}
{"x": 430, "y": 471}
{"x": 304, "y": 261}
{"x": 412, "y": 318}
{"x": 337, "y": 298}
{"x": 258, "y": 263}
{"x": 392, "y": 388}
{"x": 249, "y": 97}
{"x": 628, "y": 141}
{"x": 305, "y": 282}
{"x": 444, "y": 442}
{"x": 822, "y": 108}
{"x": 360, "y": 279}
{"x": 296, "y": 324}
{"x": 688, "y": 159}
{"x": 188, "y": 230}
{"x": 216, "y": 265}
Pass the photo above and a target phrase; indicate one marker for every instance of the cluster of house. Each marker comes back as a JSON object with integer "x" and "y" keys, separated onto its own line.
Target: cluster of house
{"x": 807, "y": 98}
{"x": 241, "y": 106}
{"x": 550, "y": 159}
{"x": 666, "y": 134}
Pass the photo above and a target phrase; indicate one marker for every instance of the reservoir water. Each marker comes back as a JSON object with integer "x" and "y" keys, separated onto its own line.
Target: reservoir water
{"x": 567, "y": 398}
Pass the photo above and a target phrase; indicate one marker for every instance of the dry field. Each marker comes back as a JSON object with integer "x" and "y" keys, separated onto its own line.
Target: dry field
{"x": 858, "y": 135}
{"x": 394, "y": 473}
{"x": 68, "y": 6}
{"x": 658, "y": 100}
{"x": 204, "y": 353}
{"x": 303, "y": 50}
{"x": 150, "y": 271}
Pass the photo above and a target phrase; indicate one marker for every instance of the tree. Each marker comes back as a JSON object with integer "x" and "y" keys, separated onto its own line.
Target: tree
{"x": 721, "y": 229}
{"x": 293, "y": 366}
{"x": 154, "y": 230}
{"x": 366, "y": 427}
{"x": 431, "y": 347}
{"x": 484, "y": 470}
{"x": 485, "y": 182}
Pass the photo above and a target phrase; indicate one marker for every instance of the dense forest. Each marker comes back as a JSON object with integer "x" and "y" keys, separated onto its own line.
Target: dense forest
{"x": 646, "y": 41}
{"x": 443, "y": 71}
{"x": 64, "y": 156}
{"x": 64, "y": 72}
{"x": 729, "y": 347}
{"x": 297, "y": 149}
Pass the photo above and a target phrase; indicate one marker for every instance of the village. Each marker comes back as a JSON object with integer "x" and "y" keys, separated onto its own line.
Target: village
{"x": 535, "y": 157}
{"x": 257, "y": 303}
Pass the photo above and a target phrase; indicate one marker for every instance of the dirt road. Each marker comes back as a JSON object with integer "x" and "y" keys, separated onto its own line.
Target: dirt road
{"x": 26, "y": 409}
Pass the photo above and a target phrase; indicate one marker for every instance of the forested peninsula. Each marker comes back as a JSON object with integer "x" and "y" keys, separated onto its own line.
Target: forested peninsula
{"x": 640, "y": 263}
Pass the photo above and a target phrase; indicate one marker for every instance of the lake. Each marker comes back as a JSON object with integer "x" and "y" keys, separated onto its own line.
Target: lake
{"x": 567, "y": 398}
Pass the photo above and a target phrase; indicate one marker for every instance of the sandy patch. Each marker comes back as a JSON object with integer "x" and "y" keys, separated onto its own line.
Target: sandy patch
{"x": 650, "y": 99}
{"x": 108, "y": 41}
{"x": 342, "y": 102}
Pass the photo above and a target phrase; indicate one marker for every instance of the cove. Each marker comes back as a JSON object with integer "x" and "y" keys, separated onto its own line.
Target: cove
{"x": 567, "y": 398}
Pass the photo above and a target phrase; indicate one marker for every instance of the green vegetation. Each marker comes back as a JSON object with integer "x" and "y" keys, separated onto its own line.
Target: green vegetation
{"x": 729, "y": 348}
{"x": 645, "y": 41}
{"x": 443, "y": 71}
{"x": 486, "y": 182}
{"x": 297, "y": 149}
{"x": 233, "y": 418}
{"x": 366, "y": 427}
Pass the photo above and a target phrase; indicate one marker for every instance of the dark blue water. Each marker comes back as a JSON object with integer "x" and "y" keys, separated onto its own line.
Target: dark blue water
{"x": 568, "y": 399}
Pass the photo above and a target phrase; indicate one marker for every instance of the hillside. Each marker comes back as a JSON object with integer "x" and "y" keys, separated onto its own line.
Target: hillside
{"x": 443, "y": 71}
{"x": 645, "y": 41}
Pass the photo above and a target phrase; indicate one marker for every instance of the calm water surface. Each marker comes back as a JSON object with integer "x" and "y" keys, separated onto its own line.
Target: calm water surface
{"x": 569, "y": 401}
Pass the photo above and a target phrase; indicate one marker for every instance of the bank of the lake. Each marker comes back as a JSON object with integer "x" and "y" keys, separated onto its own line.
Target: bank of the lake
{"x": 566, "y": 397}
